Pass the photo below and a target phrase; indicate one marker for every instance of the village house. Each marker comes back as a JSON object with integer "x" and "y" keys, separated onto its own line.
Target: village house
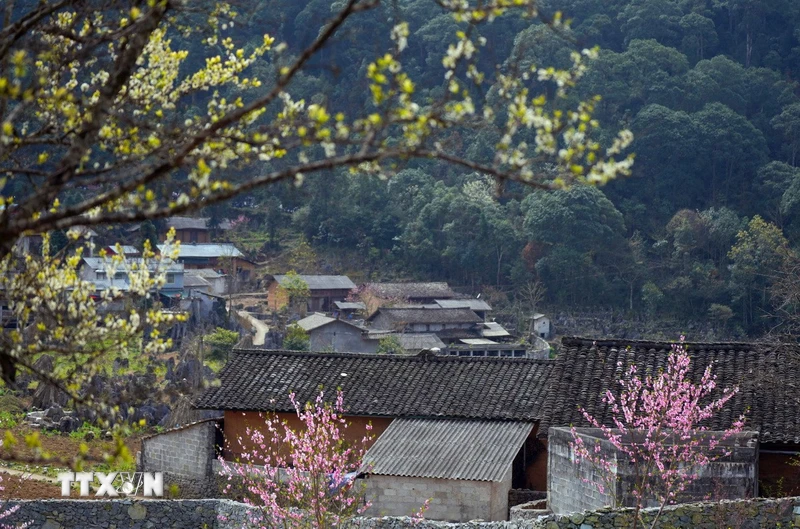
{"x": 447, "y": 324}
{"x": 189, "y": 229}
{"x": 126, "y": 250}
{"x": 486, "y": 412}
{"x": 541, "y": 326}
{"x": 95, "y": 270}
{"x": 217, "y": 283}
{"x": 376, "y": 295}
{"x": 218, "y": 256}
{"x": 332, "y": 334}
{"x": 325, "y": 290}
{"x": 766, "y": 375}
{"x": 349, "y": 309}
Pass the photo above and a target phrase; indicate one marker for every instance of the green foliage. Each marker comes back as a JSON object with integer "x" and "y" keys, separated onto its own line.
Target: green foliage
{"x": 221, "y": 342}
{"x": 86, "y": 427}
{"x": 9, "y": 419}
{"x": 390, "y": 344}
{"x": 296, "y": 339}
{"x": 296, "y": 289}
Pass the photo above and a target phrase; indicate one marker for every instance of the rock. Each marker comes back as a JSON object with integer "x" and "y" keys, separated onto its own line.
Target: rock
{"x": 161, "y": 411}
{"x": 146, "y": 413}
{"x": 121, "y": 363}
{"x": 137, "y": 511}
{"x": 44, "y": 364}
{"x": 88, "y": 436}
{"x": 54, "y": 413}
{"x": 69, "y": 424}
{"x": 46, "y": 396}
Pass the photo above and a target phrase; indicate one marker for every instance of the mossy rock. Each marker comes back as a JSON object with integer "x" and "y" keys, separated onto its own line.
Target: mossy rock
{"x": 12, "y": 404}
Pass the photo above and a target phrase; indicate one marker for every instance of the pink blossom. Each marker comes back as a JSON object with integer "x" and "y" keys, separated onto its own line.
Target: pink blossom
{"x": 658, "y": 425}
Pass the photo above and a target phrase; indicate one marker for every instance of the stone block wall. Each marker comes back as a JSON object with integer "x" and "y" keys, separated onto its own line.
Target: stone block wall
{"x": 185, "y": 455}
{"x": 732, "y": 474}
{"x": 571, "y": 485}
{"x": 451, "y": 499}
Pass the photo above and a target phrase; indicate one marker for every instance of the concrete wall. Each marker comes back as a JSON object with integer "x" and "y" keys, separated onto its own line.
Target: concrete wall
{"x": 572, "y": 488}
{"x": 341, "y": 337}
{"x": 451, "y": 499}
{"x": 571, "y": 485}
{"x": 185, "y": 455}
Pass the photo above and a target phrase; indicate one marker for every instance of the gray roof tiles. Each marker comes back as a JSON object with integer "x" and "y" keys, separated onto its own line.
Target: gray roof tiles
{"x": 414, "y": 290}
{"x": 322, "y": 282}
{"x": 423, "y": 385}
{"x": 767, "y": 377}
{"x": 425, "y": 315}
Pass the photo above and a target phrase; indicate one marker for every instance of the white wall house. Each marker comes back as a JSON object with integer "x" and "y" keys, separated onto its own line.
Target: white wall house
{"x": 541, "y": 326}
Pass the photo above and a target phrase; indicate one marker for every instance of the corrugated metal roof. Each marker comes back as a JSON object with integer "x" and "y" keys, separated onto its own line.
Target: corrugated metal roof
{"x": 320, "y": 282}
{"x": 478, "y": 341}
{"x": 447, "y": 449}
{"x": 492, "y": 329}
{"x": 193, "y": 250}
{"x": 470, "y": 303}
{"x": 350, "y": 305}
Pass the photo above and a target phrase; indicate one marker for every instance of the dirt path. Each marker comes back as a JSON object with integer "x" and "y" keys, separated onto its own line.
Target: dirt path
{"x": 259, "y": 328}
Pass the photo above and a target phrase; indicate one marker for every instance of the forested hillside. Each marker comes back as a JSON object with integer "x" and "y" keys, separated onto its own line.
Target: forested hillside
{"x": 701, "y": 229}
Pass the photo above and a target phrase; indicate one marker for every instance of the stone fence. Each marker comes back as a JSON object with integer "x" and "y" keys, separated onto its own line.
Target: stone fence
{"x": 226, "y": 514}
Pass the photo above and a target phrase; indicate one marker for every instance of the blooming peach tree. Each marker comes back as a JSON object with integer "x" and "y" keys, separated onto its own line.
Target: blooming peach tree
{"x": 302, "y": 477}
{"x": 659, "y": 427}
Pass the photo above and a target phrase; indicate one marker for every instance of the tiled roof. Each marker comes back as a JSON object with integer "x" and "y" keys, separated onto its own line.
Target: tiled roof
{"x": 411, "y": 316}
{"x": 468, "y": 303}
{"x": 420, "y": 386}
{"x": 447, "y": 449}
{"x": 317, "y": 320}
{"x": 411, "y": 290}
{"x": 412, "y": 342}
{"x": 767, "y": 377}
{"x": 318, "y": 282}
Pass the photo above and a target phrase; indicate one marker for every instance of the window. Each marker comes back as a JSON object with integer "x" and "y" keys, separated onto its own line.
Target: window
{"x": 101, "y": 274}
{"x": 120, "y": 275}
{"x": 170, "y": 278}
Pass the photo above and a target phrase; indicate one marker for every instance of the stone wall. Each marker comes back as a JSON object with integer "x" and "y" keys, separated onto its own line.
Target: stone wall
{"x": 185, "y": 455}
{"x": 732, "y": 474}
{"x": 451, "y": 499}
{"x": 130, "y": 514}
{"x": 225, "y": 514}
{"x": 744, "y": 514}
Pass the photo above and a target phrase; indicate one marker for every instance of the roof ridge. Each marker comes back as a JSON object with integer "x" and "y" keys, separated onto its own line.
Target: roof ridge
{"x": 578, "y": 340}
{"x": 393, "y": 357}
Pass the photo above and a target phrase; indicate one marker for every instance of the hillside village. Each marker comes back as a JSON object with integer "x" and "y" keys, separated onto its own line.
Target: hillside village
{"x": 461, "y": 410}
{"x": 407, "y": 264}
